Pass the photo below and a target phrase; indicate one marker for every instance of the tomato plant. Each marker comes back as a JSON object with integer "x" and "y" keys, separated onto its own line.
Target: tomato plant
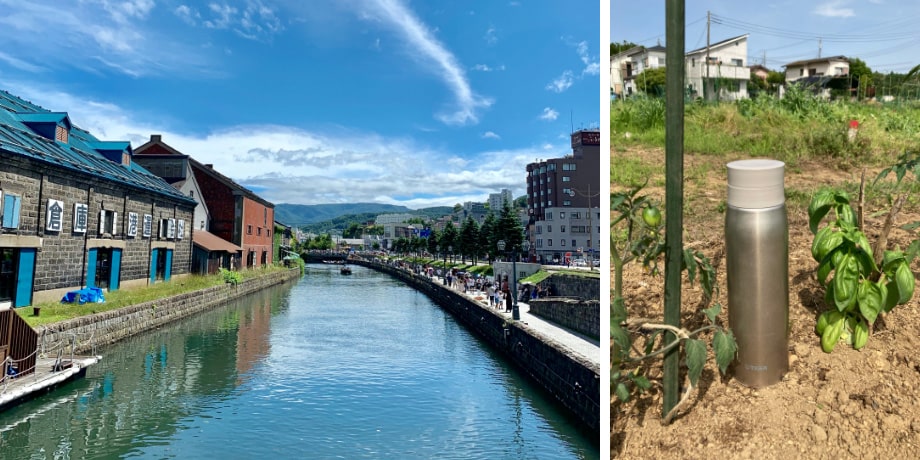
{"x": 636, "y": 234}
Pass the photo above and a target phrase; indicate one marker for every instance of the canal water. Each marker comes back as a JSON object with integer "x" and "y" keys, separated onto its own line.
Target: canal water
{"x": 336, "y": 366}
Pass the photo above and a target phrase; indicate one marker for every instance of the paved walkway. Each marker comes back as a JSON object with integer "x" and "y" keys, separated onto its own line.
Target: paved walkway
{"x": 581, "y": 345}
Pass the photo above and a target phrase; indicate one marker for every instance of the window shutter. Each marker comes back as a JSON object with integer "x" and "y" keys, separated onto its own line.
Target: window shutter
{"x": 101, "y": 222}
{"x": 114, "y": 223}
{"x": 14, "y": 218}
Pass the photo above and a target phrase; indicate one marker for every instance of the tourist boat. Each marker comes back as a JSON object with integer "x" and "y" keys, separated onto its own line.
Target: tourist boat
{"x": 346, "y": 270}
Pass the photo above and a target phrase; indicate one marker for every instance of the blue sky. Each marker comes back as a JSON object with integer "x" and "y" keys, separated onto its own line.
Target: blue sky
{"x": 883, "y": 33}
{"x": 419, "y": 103}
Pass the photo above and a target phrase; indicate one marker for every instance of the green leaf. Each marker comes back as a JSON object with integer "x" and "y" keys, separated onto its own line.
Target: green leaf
{"x": 912, "y": 251}
{"x": 696, "y": 359}
{"x": 725, "y": 347}
{"x": 860, "y": 334}
{"x": 621, "y": 343}
{"x": 650, "y": 341}
{"x": 818, "y": 244}
{"x": 905, "y": 279}
{"x": 824, "y": 269}
{"x": 870, "y": 298}
{"x": 845, "y": 283}
{"x": 832, "y": 332}
{"x": 713, "y": 312}
{"x": 820, "y": 204}
{"x": 690, "y": 265}
{"x": 642, "y": 382}
{"x": 622, "y": 392}
{"x": 845, "y": 215}
{"x": 891, "y": 299}
{"x": 911, "y": 226}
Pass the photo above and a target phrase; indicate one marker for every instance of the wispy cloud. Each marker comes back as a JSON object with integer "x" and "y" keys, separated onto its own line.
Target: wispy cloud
{"x": 490, "y": 36}
{"x": 834, "y": 9}
{"x": 429, "y": 50}
{"x": 255, "y": 21}
{"x": 311, "y": 167}
{"x": 562, "y": 83}
{"x": 592, "y": 65}
{"x": 549, "y": 114}
{"x": 490, "y": 135}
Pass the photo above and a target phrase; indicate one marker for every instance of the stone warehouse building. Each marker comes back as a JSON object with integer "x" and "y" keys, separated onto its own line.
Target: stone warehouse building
{"x": 78, "y": 212}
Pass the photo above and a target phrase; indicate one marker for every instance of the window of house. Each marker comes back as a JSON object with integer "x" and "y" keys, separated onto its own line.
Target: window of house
{"x": 540, "y": 243}
{"x": 566, "y": 203}
{"x": 562, "y": 228}
{"x": 108, "y": 222}
{"x": 549, "y": 242}
{"x": 249, "y": 229}
{"x": 660, "y": 61}
{"x": 801, "y": 72}
{"x": 539, "y": 229}
{"x": 573, "y": 243}
{"x": 566, "y": 179}
{"x": 549, "y": 228}
{"x": 550, "y": 202}
{"x": 259, "y": 231}
{"x": 693, "y": 62}
{"x": 562, "y": 242}
{"x": 737, "y": 63}
{"x": 562, "y": 215}
{"x": 549, "y": 216}
{"x": 11, "y": 207}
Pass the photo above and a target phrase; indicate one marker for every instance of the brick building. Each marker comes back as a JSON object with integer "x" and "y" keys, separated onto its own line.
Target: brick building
{"x": 236, "y": 214}
{"x": 78, "y": 212}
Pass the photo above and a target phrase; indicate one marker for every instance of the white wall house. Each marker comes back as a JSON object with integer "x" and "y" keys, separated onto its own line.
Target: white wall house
{"x": 626, "y": 65}
{"x": 836, "y": 66}
{"x": 725, "y": 76}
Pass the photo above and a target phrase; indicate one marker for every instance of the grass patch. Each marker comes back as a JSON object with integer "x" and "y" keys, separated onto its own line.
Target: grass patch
{"x": 52, "y": 312}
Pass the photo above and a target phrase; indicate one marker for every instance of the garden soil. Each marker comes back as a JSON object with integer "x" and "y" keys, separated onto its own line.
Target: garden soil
{"x": 846, "y": 404}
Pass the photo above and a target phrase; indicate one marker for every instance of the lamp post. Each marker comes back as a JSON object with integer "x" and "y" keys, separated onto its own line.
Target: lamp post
{"x": 513, "y": 254}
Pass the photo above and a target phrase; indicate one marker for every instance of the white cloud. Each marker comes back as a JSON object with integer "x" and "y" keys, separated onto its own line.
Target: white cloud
{"x": 482, "y": 68}
{"x": 834, "y": 9}
{"x": 188, "y": 15}
{"x": 562, "y": 83}
{"x": 549, "y": 114}
{"x": 490, "y": 36}
{"x": 490, "y": 135}
{"x": 292, "y": 165}
{"x": 429, "y": 50}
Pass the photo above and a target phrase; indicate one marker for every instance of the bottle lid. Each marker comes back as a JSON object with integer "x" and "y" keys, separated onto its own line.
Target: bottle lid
{"x": 755, "y": 184}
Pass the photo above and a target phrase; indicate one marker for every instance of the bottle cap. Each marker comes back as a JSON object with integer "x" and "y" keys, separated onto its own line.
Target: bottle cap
{"x": 755, "y": 184}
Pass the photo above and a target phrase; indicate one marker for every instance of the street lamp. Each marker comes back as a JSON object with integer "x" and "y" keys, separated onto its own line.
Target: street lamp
{"x": 513, "y": 254}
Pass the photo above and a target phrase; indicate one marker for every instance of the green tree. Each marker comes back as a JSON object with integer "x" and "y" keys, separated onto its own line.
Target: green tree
{"x": 469, "y": 239}
{"x": 509, "y": 229}
{"x": 487, "y": 237}
{"x": 651, "y": 81}
{"x": 450, "y": 238}
{"x": 352, "y": 231}
{"x": 458, "y": 207}
{"x": 617, "y": 48}
{"x": 432, "y": 241}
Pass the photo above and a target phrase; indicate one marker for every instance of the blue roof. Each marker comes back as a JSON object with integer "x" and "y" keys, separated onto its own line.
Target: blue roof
{"x": 83, "y": 153}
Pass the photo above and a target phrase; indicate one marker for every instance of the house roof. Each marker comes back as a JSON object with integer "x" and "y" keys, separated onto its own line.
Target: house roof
{"x": 157, "y": 145}
{"x": 213, "y": 243}
{"x": 816, "y": 60}
{"x": 718, "y": 44}
{"x": 79, "y": 154}
{"x": 638, "y": 50}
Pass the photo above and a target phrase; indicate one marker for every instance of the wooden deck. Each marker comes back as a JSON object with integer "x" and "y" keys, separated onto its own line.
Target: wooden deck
{"x": 17, "y": 390}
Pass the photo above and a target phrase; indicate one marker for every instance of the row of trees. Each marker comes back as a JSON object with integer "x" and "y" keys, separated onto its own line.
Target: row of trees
{"x": 471, "y": 241}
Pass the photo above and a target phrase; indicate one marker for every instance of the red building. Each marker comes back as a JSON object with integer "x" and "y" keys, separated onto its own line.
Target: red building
{"x": 237, "y": 214}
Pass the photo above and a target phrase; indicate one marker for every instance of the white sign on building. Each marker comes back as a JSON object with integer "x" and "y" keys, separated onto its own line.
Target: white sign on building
{"x": 55, "y": 216}
{"x": 132, "y": 224}
{"x": 80, "y": 217}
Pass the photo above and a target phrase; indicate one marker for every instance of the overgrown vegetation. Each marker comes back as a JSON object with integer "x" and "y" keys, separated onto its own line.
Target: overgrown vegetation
{"x": 798, "y": 127}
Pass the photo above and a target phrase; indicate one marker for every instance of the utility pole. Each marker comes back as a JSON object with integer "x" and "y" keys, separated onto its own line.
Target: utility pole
{"x": 819, "y": 47}
{"x": 706, "y": 83}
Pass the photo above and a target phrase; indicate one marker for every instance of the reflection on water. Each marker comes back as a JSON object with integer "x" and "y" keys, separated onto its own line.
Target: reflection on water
{"x": 336, "y": 366}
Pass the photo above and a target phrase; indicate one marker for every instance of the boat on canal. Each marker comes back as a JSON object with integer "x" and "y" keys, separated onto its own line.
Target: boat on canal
{"x": 346, "y": 270}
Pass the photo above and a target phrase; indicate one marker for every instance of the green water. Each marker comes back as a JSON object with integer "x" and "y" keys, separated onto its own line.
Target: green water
{"x": 336, "y": 366}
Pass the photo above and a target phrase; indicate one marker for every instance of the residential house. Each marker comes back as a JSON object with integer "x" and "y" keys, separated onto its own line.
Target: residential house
{"x": 719, "y": 71}
{"x": 625, "y": 66}
{"x": 563, "y": 201}
{"x": 835, "y": 66}
{"x": 79, "y": 212}
{"x": 760, "y": 72}
{"x": 237, "y": 215}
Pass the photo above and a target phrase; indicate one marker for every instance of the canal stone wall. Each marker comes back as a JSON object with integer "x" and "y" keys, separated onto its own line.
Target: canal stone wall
{"x": 572, "y": 380}
{"x": 580, "y": 316}
{"x": 108, "y": 327}
{"x": 581, "y": 287}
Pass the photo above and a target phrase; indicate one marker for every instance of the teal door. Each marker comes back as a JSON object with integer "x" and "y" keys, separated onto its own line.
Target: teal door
{"x": 168, "y": 269}
{"x": 153, "y": 265}
{"x": 25, "y": 278}
{"x": 116, "y": 269}
{"x": 91, "y": 268}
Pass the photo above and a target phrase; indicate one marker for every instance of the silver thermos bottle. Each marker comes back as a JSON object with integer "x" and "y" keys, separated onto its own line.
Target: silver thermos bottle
{"x": 757, "y": 260}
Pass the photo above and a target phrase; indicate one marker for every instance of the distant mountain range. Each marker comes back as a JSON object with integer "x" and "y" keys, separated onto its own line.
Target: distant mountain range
{"x": 325, "y": 217}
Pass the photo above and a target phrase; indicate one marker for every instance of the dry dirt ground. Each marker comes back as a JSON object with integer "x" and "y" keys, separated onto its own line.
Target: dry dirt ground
{"x": 847, "y": 404}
